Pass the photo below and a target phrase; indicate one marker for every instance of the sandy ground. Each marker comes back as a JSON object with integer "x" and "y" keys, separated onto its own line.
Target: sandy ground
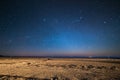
{"x": 59, "y": 69}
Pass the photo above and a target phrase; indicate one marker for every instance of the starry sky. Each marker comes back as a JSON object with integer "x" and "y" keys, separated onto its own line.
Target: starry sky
{"x": 60, "y": 27}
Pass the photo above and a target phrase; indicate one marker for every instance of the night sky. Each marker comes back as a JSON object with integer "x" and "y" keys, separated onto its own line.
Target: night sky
{"x": 60, "y": 27}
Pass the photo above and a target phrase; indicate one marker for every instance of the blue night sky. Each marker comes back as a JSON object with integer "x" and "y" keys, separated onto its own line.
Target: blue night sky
{"x": 60, "y": 27}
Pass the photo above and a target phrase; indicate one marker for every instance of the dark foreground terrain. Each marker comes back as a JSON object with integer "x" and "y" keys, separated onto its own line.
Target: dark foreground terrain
{"x": 59, "y": 69}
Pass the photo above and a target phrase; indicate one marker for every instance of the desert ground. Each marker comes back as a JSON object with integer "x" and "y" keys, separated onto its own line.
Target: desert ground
{"x": 59, "y": 69}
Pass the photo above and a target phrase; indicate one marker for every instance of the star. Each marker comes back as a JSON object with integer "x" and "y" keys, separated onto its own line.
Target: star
{"x": 44, "y": 19}
{"x": 78, "y": 20}
{"x": 104, "y": 22}
{"x": 81, "y": 18}
{"x": 111, "y": 18}
{"x": 10, "y": 41}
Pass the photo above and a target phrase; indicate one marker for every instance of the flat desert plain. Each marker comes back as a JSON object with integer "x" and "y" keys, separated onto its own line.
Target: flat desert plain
{"x": 59, "y": 69}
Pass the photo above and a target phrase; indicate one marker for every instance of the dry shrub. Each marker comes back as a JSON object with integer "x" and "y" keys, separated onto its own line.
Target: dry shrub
{"x": 101, "y": 67}
{"x": 113, "y": 68}
{"x": 72, "y": 66}
{"x": 90, "y": 66}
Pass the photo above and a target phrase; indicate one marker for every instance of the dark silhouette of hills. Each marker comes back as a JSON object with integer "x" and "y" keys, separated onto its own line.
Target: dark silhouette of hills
{"x": 101, "y": 57}
{"x": 1, "y": 56}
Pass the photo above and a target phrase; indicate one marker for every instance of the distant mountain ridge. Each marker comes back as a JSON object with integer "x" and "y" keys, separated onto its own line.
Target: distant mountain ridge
{"x": 106, "y": 57}
{"x": 1, "y": 56}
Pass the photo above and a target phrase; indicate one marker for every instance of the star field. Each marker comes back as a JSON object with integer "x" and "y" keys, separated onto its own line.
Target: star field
{"x": 60, "y": 27}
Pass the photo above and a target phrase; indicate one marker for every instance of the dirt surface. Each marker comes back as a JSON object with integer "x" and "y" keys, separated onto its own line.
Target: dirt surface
{"x": 59, "y": 69}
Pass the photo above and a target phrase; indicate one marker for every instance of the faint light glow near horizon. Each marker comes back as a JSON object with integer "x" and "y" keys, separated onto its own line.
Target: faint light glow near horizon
{"x": 60, "y": 27}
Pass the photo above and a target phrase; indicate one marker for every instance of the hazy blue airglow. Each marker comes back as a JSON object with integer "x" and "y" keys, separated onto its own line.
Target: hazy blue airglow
{"x": 60, "y": 27}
